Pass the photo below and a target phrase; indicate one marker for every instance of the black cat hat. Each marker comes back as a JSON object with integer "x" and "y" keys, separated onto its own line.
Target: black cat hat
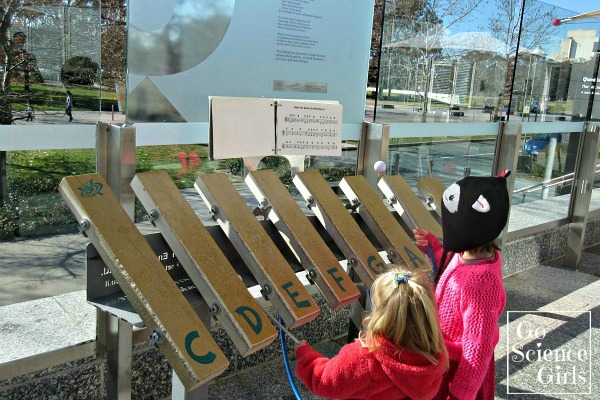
{"x": 474, "y": 211}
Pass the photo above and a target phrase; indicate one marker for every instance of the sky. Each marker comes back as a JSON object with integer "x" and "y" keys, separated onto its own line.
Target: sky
{"x": 580, "y": 6}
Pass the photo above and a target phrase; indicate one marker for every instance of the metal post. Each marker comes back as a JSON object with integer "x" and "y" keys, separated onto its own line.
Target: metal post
{"x": 118, "y": 358}
{"x": 374, "y": 146}
{"x": 551, "y": 152}
{"x": 115, "y": 161}
{"x": 506, "y": 157}
{"x": 396, "y": 169}
{"x": 581, "y": 195}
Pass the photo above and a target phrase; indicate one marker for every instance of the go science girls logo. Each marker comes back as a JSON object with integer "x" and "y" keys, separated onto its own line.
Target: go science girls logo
{"x": 549, "y": 352}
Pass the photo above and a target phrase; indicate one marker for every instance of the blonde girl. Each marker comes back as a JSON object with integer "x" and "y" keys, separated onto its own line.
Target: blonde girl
{"x": 399, "y": 354}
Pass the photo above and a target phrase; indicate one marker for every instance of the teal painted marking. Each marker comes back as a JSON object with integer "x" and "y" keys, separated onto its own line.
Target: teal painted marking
{"x": 337, "y": 279}
{"x": 299, "y": 304}
{"x": 255, "y": 324}
{"x": 91, "y": 189}
{"x": 380, "y": 265}
{"x": 414, "y": 259}
{"x": 208, "y": 358}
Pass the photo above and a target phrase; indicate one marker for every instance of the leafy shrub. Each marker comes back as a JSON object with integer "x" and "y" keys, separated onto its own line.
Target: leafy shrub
{"x": 8, "y": 225}
{"x": 79, "y": 70}
{"x": 235, "y": 166}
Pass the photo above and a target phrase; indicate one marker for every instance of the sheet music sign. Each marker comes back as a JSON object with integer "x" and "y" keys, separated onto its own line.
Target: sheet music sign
{"x": 308, "y": 128}
{"x": 257, "y": 127}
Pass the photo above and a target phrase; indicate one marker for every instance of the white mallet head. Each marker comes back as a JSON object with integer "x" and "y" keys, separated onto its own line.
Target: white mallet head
{"x": 379, "y": 167}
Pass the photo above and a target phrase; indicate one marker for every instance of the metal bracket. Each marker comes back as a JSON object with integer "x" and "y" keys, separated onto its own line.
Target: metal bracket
{"x": 156, "y": 337}
{"x": 265, "y": 291}
{"x": 84, "y": 225}
{"x": 215, "y": 309}
{"x": 262, "y": 212}
{"x": 153, "y": 216}
{"x": 353, "y": 206}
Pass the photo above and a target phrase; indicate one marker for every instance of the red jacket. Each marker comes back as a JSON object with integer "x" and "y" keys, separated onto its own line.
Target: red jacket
{"x": 357, "y": 373}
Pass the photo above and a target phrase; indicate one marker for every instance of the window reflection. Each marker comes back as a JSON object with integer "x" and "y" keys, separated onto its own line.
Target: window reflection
{"x": 193, "y": 32}
{"x": 50, "y": 49}
{"x": 470, "y": 62}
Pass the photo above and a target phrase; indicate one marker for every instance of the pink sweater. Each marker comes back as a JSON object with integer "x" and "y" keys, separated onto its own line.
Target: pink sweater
{"x": 471, "y": 298}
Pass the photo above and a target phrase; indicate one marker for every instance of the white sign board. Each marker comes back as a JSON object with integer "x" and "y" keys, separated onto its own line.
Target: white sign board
{"x": 180, "y": 52}
{"x": 309, "y": 128}
{"x": 251, "y": 127}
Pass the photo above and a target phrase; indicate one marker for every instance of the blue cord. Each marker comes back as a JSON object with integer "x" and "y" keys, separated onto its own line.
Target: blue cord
{"x": 286, "y": 362}
{"x": 432, "y": 259}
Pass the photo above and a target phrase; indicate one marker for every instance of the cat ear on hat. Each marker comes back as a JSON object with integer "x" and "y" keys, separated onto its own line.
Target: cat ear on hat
{"x": 482, "y": 204}
{"x": 504, "y": 174}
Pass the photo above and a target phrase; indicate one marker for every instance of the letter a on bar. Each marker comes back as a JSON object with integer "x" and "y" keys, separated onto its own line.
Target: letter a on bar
{"x": 408, "y": 205}
{"x": 206, "y": 265}
{"x": 187, "y": 344}
{"x": 342, "y": 227}
{"x": 388, "y": 231}
{"x": 302, "y": 237}
{"x": 270, "y": 268}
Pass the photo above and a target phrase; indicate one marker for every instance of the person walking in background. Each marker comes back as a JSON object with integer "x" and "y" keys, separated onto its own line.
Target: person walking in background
{"x": 470, "y": 291}
{"x": 29, "y": 112}
{"x": 399, "y": 354}
{"x": 69, "y": 105}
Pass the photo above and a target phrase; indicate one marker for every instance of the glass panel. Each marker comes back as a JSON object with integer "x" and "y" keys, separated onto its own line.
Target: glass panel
{"x": 42, "y": 250}
{"x": 56, "y": 49}
{"x": 545, "y": 173}
{"x": 334, "y": 169}
{"x": 185, "y": 162}
{"x": 454, "y": 62}
{"x": 34, "y": 207}
{"x": 447, "y": 158}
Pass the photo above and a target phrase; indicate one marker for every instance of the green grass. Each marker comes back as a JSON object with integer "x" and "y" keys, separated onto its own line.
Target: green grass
{"x": 52, "y": 97}
{"x": 36, "y": 208}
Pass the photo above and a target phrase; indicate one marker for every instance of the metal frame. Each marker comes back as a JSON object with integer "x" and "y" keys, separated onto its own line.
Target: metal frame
{"x": 580, "y": 198}
{"x": 115, "y": 161}
{"x": 117, "y": 143}
{"x": 374, "y": 145}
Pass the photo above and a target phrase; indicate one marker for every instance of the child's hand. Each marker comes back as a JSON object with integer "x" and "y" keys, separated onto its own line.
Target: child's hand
{"x": 298, "y": 345}
{"x": 420, "y": 236}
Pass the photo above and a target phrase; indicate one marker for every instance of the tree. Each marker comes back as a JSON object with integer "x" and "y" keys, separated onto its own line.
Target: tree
{"x": 114, "y": 39}
{"x": 375, "y": 43}
{"x": 506, "y": 26}
{"x": 413, "y": 32}
{"x": 8, "y": 11}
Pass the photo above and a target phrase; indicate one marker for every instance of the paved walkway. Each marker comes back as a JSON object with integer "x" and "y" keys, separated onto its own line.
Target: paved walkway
{"x": 79, "y": 117}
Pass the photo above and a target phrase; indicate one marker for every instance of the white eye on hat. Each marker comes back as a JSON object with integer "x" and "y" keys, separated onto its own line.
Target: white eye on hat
{"x": 451, "y": 197}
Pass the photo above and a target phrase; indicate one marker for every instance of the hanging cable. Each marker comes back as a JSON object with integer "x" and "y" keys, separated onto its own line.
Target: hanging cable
{"x": 286, "y": 362}
{"x": 432, "y": 259}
